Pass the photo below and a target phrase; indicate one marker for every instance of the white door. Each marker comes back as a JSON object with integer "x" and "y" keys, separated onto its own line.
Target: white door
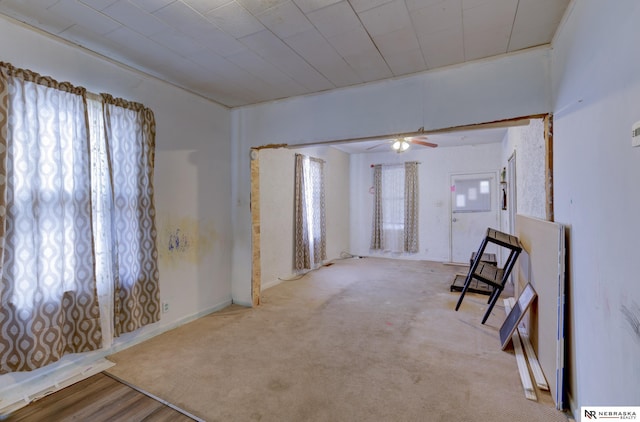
{"x": 474, "y": 208}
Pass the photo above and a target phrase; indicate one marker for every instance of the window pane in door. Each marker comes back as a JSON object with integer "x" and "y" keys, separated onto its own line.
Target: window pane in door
{"x": 473, "y": 195}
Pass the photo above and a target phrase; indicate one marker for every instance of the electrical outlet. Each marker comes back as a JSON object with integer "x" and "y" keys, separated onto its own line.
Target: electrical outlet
{"x": 165, "y": 307}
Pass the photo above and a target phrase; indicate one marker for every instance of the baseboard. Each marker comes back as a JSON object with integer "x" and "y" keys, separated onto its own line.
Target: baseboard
{"x": 131, "y": 339}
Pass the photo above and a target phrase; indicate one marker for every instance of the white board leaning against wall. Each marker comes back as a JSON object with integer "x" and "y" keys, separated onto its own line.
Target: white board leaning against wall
{"x": 542, "y": 264}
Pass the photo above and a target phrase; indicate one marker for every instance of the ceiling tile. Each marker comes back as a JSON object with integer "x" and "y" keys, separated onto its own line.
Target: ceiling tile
{"x": 313, "y": 47}
{"x": 233, "y": 75}
{"x": 536, "y": 22}
{"x": 445, "y": 15}
{"x": 310, "y": 5}
{"x": 178, "y": 42}
{"x": 265, "y": 71}
{"x": 404, "y": 63}
{"x": 204, "y": 6}
{"x": 258, "y": 6}
{"x": 136, "y": 48}
{"x": 489, "y": 15}
{"x": 386, "y": 18}
{"x": 274, "y": 50}
{"x": 470, "y": 4}
{"x": 98, "y": 4}
{"x": 34, "y": 12}
{"x": 369, "y": 65}
{"x": 335, "y": 19}
{"x": 193, "y": 24}
{"x": 135, "y": 18}
{"x": 413, "y": 5}
{"x": 151, "y": 5}
{"x": 442, "y": 48}
{"x": 235, "y": 20}
{"x": 362, "y": 5}
{"x": 285, "y": 20}
{"x": 480, "y": 44}
{"x": 84, "y": 15}
{"x": 397, "y": 41}
{"x": 531, "y": 36}
{"x": 352, "y": 42}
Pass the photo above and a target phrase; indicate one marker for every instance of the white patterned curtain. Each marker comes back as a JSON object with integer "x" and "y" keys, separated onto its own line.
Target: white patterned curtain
{"x": 411, "y": 207}
{"x": 395, "y": 212}
{"x": 48, "y": 296}
{"x": 130, "y": 143}
{"x": 377, "y": 235}
{"x": 309, "y": 213}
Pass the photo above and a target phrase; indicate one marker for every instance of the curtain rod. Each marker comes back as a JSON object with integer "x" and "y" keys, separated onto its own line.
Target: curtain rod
{"x": 395, "y": 164}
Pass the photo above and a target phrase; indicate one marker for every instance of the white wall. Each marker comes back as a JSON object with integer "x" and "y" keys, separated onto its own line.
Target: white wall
{"x": 192, "y": 175}
{"x": 276, "y": 208}
{"x": 510, "y": 86}
{"x": 437, "y": 166}
{"x": 596, "y": 94}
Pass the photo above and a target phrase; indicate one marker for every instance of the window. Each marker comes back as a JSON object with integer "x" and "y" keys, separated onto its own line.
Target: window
{"x": 472, "y": 195}
{"x": 310, "y": 230}
{"x": 63, "y": 159}
{"x": 395, "y": 216}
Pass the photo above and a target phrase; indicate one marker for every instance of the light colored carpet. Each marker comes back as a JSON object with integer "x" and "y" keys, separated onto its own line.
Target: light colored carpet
{"x": 361, "y": 340}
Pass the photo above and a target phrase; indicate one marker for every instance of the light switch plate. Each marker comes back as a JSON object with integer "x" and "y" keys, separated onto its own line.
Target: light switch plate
{"x": 635, "y": 134}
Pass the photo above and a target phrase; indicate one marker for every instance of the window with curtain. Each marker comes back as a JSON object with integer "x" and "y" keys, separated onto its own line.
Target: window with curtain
{"x": 65, "y": 224}
{"x": 395, "y": 208}
{"x": 310, "y": 231}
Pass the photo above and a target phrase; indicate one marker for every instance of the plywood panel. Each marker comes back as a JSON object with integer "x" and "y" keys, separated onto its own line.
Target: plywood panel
{"x": 542, "y": 265}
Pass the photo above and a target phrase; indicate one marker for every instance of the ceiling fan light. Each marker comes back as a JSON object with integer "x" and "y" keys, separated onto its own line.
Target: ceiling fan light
{"x": 400, "y": 145}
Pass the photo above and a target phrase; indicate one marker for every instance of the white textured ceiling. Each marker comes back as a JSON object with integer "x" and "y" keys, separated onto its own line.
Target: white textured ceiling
{"x": 239, "y": 52}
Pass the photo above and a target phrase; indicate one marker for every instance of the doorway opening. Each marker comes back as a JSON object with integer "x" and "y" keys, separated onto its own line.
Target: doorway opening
{"x": 258, "y": 277}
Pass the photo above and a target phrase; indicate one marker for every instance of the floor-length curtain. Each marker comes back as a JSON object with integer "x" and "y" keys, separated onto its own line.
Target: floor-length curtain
{"x": 47, "y": 287}
{"x": 309, "y": 213}
{"x": 377, "y": 236}
{"x": 130, "y": 140}
{"x": 411, "y": 207}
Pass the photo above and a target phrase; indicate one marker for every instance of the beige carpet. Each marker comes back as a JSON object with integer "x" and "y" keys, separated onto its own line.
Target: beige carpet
{"x": 361, "y": 340}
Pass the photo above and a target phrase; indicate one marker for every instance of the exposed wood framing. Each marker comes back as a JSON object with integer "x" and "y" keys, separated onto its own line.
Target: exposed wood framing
{"x": 548, "y": 136}
{"x": 489, "y": 125}
{"x": 256, "y": 270}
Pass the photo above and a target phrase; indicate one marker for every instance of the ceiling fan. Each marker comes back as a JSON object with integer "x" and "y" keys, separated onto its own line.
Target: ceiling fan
{"x": 403, "y": 143}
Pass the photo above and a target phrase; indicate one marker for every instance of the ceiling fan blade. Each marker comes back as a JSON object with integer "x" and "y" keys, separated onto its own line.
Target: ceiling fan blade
{"x": 423, "y": 143}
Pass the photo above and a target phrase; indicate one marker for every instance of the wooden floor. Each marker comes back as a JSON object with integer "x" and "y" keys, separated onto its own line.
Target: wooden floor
{"x": 96, "y": 399}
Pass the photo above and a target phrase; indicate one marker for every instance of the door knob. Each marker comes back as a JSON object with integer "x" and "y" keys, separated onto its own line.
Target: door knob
{"x": 454, "y": 219}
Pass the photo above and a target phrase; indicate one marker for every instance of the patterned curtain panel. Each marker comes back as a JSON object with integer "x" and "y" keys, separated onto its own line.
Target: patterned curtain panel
{"x": 377, "y": 237}
{"x": 316, "y": 210}
{"x": 309, "y": 213}
{"x": 48, "y": 296}
{"x": 301, "y": 234}
{"x": 411, "y": 207}
{"x": 130, "y": 139}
